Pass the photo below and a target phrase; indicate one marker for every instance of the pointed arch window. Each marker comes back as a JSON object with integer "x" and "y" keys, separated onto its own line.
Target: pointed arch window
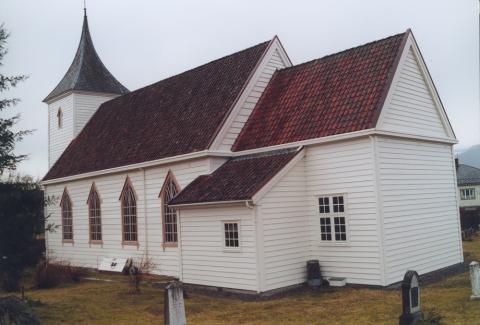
{"x": 129, "y": 213}
{"x": 169, "y": 216}
{"x": 94, "y": 215}
{"x": 59, "y": 118}
{"x": 67, "y": 217}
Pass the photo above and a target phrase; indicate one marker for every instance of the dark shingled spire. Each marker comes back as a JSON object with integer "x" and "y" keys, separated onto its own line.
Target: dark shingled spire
{"x": 87, "y": 71}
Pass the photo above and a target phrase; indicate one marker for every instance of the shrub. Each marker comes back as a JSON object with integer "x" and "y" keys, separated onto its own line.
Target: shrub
{"x": 22, "y": 221}
{"x": 137, "y": 273}
{"x": 52, "y": 273}
{"x": 431, "y": 318}
{"x": 14, "y": 311}
{"x": 48, "y": 275}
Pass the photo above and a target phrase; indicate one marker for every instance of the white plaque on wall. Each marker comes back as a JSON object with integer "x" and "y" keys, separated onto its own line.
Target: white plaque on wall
{"x": 112, "y": 264}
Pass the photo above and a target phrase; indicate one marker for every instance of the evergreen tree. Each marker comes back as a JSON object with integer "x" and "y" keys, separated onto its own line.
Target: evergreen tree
{"x": 8, "y": 137}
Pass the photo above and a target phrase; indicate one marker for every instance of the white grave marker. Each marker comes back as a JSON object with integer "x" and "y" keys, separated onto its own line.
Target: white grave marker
{"x": 174, "y": 306}
{"x": 475, "y": 279}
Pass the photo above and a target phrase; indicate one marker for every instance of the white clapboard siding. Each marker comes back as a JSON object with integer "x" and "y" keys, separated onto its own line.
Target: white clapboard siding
{"x": 77, "y": 109}
{"x": 418, "y": 193}
{"x": 59, "y": 138}
{"x": 346, "y": 168}
{"x": 85, "y": 105}
{"x": 411, "y": 108}
{"x": 81, "y": 253}
{"x": 109, "y": 187}
{"x": 271, "y": 64}
{"x": 285, "y": 225}
{"x": 204, "y": 259}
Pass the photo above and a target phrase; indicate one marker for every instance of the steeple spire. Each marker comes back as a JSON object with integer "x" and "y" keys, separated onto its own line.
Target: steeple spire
{"x": 87, "y": 72}
{"x": 84, "y": 8}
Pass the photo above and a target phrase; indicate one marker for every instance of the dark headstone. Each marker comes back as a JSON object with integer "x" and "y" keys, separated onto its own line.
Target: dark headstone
{"x": 314, "y": 277}
{"x": 411, "y": 299}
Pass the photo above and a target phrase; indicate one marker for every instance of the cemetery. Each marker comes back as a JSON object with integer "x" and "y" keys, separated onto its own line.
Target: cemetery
{"x": 451, "y": 298}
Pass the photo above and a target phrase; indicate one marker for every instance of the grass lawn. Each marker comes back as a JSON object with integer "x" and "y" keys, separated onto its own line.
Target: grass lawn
{"x": 95, "y": 302}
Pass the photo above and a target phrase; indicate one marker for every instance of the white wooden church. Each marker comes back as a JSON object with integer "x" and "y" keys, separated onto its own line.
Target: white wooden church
{"x": 237, "y": 172}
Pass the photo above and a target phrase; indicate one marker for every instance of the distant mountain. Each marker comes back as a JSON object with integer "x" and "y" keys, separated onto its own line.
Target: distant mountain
{"x": 471, "y": 156}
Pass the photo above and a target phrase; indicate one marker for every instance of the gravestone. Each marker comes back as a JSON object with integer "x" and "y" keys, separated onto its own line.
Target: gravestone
{"x": 174, "y": 305}
{"x": 475, "y": 280}
{"x": 410, "y": 299}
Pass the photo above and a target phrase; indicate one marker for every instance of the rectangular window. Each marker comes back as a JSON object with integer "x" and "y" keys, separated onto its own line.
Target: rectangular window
{"x": 231, "y": 233}
{"x": 333, "y": 219}
{"x": 338, "y": 204}
{"x": 325, "y": 229}
{"x": 324, "y": 205}
{"x": 340, "y": 228}
{"x": 467, "y": 193}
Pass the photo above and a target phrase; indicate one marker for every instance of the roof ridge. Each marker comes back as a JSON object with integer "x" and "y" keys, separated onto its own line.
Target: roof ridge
{"x": 191, "y": 69}
{"x": 342, "y": 52}
{"x": 469, "y": 166}
{"x": 270, "y": 153}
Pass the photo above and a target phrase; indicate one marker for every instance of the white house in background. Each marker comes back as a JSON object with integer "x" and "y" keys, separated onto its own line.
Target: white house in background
{"x": 237, "y": 172}
{"x": 468, "y": 181}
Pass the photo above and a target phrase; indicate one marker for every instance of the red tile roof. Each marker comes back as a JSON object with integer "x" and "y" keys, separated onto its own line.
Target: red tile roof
{"x": 175, "y": 116}
{"x": 339, "y": 93}
{"x": 238, "y": 179}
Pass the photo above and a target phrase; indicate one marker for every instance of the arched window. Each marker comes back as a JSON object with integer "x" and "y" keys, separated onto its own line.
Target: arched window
{"x": 67, "y": 217}
{"x": 94, "y": 215}
{"x": 59, "y": 118}
{"x": 169, "y": 216}
{"x": 129, "y": 213}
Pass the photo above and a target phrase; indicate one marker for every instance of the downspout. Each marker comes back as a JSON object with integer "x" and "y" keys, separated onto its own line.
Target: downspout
{"x": 179, "y": 247}
{"x": 145, "y": 212}
{"x": 45, "y": 214}
{"x": 379, "y": 211}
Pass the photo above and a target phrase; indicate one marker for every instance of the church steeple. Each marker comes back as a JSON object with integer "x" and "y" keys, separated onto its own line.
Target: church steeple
{"x": 87, "y": 72}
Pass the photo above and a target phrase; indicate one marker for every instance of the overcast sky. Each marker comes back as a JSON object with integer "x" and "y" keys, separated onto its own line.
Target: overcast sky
{"x": 144, "y": 41}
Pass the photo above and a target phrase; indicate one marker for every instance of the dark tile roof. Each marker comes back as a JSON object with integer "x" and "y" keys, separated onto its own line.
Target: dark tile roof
{"x": 175, "y": 116}
{"x": 468, "y": 175}
{"x": 237, "y": 179}
{"x": 87, "y": 71}
{"x": 336, "y": 94}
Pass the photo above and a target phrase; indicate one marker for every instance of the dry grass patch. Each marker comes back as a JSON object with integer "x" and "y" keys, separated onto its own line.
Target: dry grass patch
{"x": 95, "y": 302}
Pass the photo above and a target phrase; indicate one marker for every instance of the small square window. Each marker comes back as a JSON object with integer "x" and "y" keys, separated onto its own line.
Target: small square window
{"x": 338, "y": 206}
{"x": 467, "y": 193}
{"x": 325, "y": 229}
{"x": 324, "y": 204}
{"x": 232, "y": 239}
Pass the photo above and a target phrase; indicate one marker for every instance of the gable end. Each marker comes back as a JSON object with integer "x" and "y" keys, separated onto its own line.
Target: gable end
{"x": 412, "y": 105}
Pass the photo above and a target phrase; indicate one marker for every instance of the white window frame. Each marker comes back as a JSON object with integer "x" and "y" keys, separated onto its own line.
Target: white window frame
{"x": 332, "y": 215}
{"x": 224, "y": 246}
{"x": 472, "y": 195}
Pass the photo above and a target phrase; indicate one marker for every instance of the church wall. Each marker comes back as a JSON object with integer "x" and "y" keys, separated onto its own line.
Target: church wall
{"x": 59, "y": 137}
{"x": 285, "y": 229}
{"x": 346, "y": 168}
{"x": 205, "y": 260}
{"x": 82, "y": 253}
{"x": 421, "y": 223}
{"x": 86, "y": 104}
